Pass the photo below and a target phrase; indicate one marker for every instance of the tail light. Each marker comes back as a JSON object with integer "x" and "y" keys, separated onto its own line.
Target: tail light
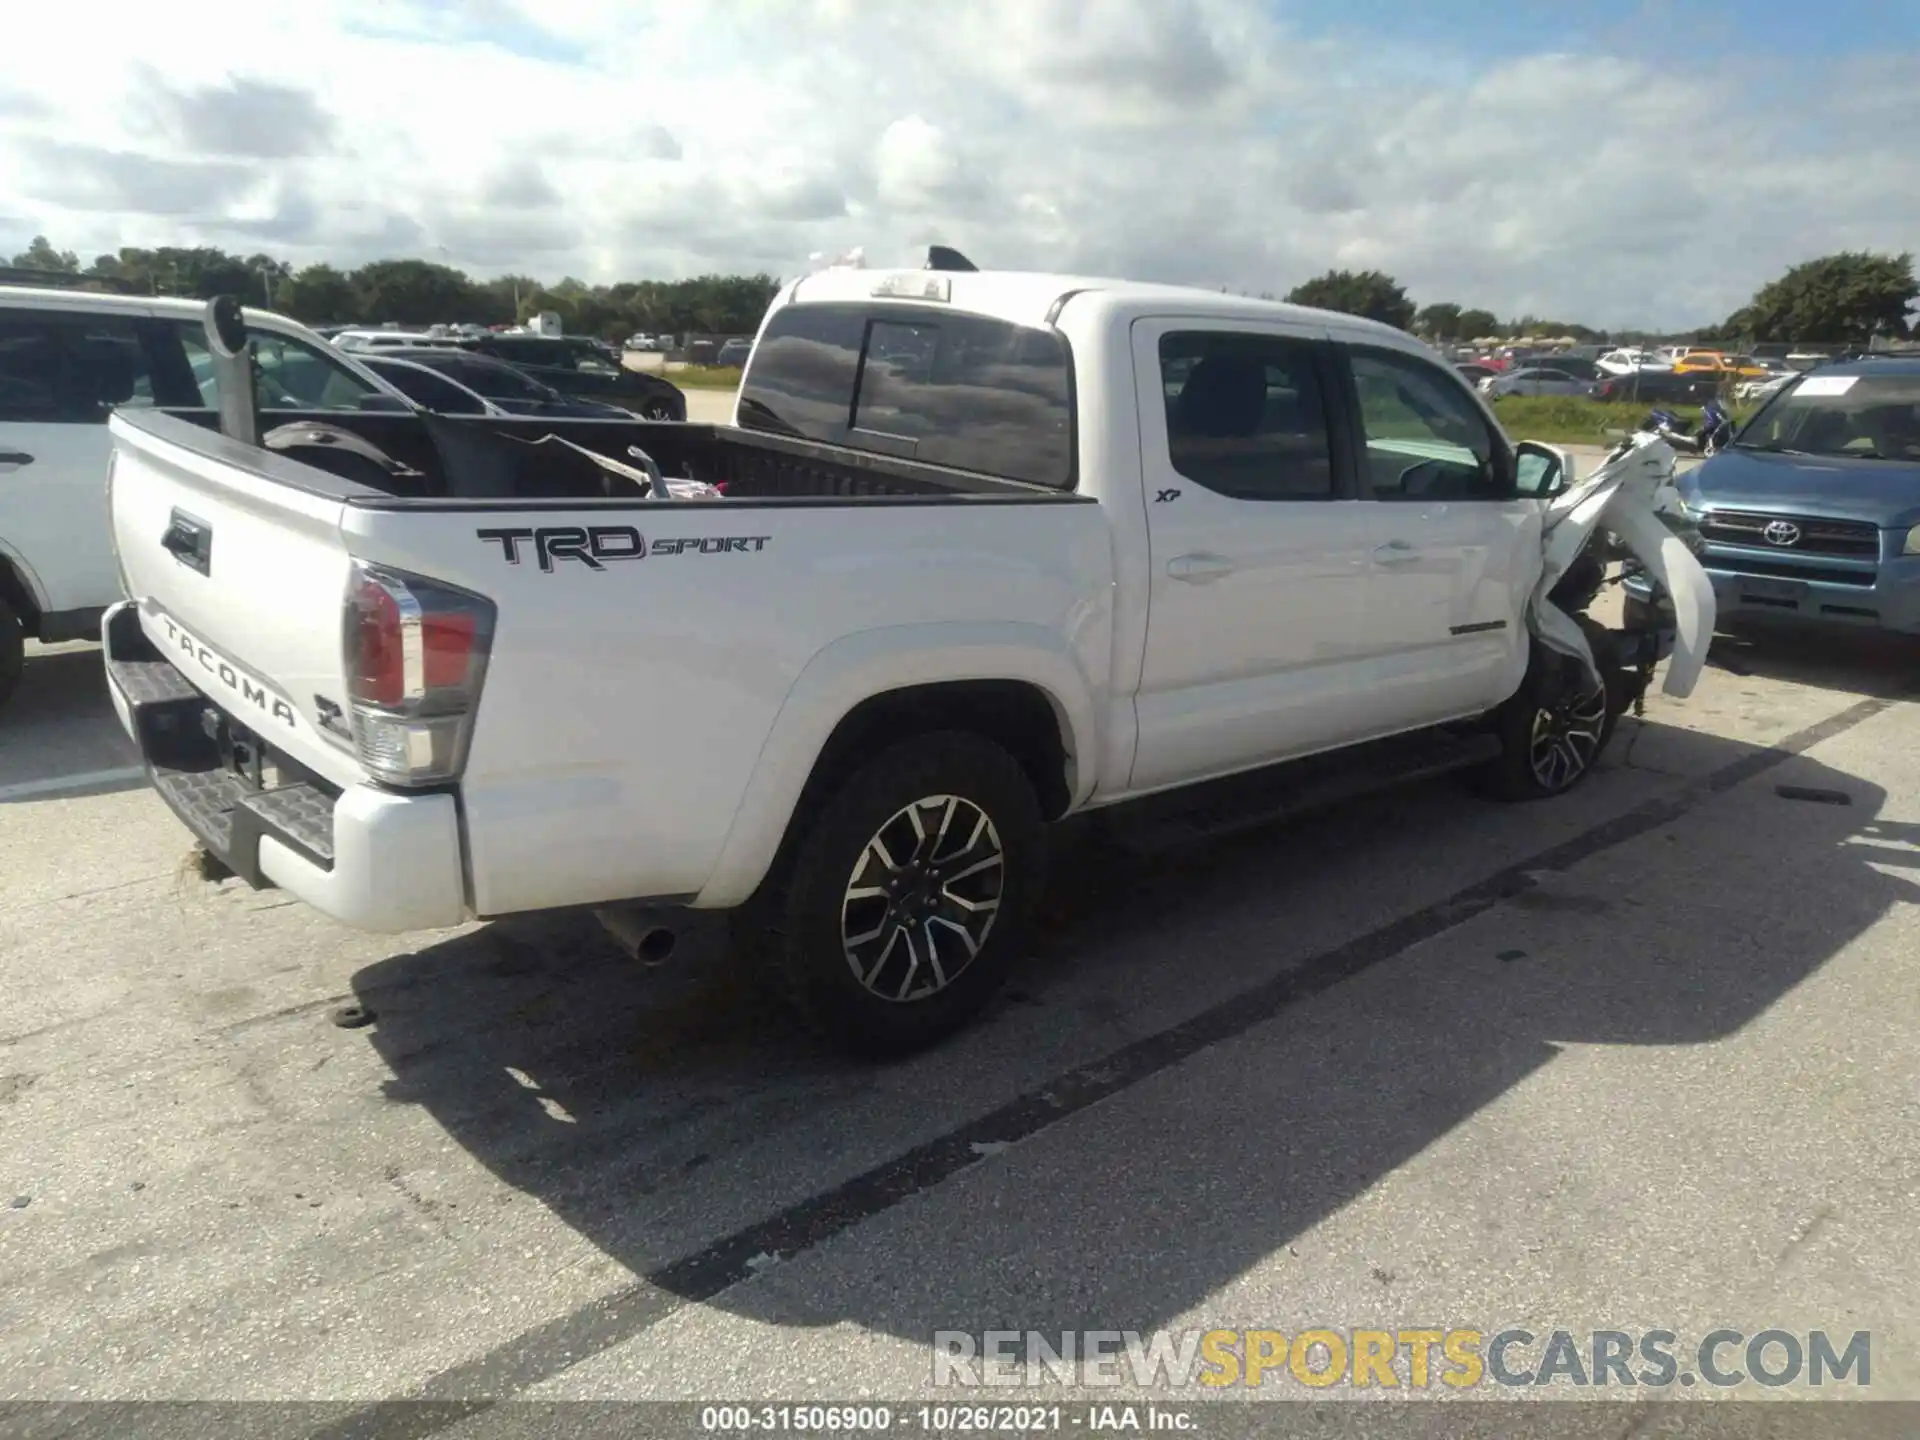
{"x": 416, "y": 654}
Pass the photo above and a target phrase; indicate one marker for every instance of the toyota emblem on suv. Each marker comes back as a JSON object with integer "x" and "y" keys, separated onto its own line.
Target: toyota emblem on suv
{"x": 1781, "y": 532}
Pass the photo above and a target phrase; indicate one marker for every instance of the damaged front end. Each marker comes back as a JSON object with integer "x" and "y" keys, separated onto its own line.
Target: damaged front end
{"x": 1626, "y": 512}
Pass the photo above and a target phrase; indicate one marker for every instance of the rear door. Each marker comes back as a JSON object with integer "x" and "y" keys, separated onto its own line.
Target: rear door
{"x": 61, "y": 373}
{"x": 1453, "y": 547}
{"x": 1256, "y": 623}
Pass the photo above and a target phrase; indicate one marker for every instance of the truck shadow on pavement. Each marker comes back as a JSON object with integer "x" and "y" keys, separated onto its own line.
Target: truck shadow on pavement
{"x": 60, "y": 724}
{"x": 693, "y": 1111}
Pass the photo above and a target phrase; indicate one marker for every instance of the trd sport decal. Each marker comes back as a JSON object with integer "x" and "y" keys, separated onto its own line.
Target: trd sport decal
{"x": 595, "y": 545}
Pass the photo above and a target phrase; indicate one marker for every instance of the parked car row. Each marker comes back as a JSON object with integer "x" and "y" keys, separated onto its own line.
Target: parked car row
{"x": 573, "y": 365}
{"x": 1539, "y": 380}
{"x": 1692, "y": 379}
{"x": 583, "y": 368}
{"x": 1748, "y": 374}
{"x": 1659, "y": 387}
{"x": 461, "y": 384}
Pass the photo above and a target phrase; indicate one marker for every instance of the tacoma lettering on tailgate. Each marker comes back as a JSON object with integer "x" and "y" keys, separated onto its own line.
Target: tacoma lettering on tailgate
{"x": 249, "y": 690}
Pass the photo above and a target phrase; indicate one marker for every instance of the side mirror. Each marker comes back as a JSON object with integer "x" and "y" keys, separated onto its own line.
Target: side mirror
{"x": 1541, "y": 471}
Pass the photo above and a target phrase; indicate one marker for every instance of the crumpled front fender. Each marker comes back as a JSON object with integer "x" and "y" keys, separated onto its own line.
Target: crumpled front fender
{"x": 1629, "y": 494}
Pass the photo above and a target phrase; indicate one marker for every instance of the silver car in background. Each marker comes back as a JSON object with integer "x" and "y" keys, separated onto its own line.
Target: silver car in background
{"x": 1535, "y": 380}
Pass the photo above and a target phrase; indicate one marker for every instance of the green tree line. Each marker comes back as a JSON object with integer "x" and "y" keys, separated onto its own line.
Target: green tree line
{"x": 1848, "y": 298}
{"x": 1851, "y": 297}
{"x": 417, "y": 292}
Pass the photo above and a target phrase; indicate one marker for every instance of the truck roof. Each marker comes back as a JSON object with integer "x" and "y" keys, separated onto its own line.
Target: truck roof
{"x": 1032, "y": 298}
{"x": 99, "y": 302}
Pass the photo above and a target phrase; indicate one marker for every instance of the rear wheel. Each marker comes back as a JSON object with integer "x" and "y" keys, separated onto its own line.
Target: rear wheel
{"x": 13, "y": 650}
{"x": 1555, "y": 729}
{"x": 656, "y": 410}
{"x": 911, "y": 894}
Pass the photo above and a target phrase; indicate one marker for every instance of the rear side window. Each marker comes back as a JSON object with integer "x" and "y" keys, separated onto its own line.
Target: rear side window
{"x": 292, "y": 375}
{"x": 1245, "y": 415}
{"x": 963, "y": 391}
{"x": 496, "y": 382}
{"x": 590, "y": 359}
{"x": 555, "y": 354}
{"x": 801, "y": 378}
{"x": 70, "y": 368}
{"x": 431, "y": 390}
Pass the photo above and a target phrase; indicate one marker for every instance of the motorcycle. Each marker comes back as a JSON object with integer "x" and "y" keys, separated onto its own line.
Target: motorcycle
{"x": 1713, "y": 436}
{"x": 1626, "y": 517}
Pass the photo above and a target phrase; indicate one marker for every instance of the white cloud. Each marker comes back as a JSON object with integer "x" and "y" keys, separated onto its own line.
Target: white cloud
{"x": 1187, "y": 140}
{"x": 919, "y": 170}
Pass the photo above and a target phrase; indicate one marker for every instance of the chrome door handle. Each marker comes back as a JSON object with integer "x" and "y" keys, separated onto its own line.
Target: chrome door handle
{"x": 1396, "y": 552}
{"x": 1199, "y": 569}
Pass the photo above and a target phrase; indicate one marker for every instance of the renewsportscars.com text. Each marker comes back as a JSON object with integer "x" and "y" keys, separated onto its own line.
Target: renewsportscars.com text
{"x": 1407, "y": 1359}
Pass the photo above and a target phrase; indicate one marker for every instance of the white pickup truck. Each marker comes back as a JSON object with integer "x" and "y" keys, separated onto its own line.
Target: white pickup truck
{"x": 982, "y": 551}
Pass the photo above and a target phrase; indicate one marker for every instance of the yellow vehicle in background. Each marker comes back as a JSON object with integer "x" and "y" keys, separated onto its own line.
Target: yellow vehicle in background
{"x": 1716, "y": 362}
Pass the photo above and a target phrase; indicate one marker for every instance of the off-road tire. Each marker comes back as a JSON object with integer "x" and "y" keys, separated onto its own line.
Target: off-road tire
{"x": 1551, "y": 684}
{"x": 13, "y": 650}
{"x": 805, "y": 917}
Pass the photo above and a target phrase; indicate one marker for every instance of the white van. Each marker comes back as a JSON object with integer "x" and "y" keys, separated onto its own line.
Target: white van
{"x": 69, "y": 357}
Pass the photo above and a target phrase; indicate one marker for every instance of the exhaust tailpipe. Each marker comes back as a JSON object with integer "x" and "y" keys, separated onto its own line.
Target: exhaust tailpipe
{"x": 639, "y": 933}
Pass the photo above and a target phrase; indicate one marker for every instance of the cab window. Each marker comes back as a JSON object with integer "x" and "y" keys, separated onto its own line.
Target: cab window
{"x": 1425, "y": 438}
{"x": 948, "y": 388}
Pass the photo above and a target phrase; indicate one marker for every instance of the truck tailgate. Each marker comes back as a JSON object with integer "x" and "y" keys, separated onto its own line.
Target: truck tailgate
{"x": 234, "y": 557}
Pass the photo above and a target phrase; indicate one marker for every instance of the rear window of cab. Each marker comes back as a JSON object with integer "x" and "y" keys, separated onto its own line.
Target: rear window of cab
{"x": 963, "y": 391}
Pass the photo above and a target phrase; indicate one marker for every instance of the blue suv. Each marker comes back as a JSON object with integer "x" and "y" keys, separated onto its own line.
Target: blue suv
{"x": 1812, "y": 515}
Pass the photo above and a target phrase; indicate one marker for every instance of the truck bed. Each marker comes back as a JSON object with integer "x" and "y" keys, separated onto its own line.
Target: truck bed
{"x": 499, "y": 459}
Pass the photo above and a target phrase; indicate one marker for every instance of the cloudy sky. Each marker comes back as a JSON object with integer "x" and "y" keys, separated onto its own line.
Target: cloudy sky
{"x": 1620, "y": 162}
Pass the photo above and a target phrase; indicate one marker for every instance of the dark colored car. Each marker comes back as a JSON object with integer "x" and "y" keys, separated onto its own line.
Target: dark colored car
{"x": 580, "y": 367}
{"x": 734, "y": 352}
{"x": 1578, "y": 366}
{"x": 1659, "y": 387}
{"x": 1812, "y": 514}
{"x": 470, "y": 383}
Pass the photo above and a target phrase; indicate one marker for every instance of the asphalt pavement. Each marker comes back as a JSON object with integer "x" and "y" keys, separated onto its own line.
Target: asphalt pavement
{"x": 1641, "y": 1057}
{"x": 709, "y": 407}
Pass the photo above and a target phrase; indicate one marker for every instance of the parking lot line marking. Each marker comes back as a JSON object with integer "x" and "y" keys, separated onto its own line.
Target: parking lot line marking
{"x": 455, "y": 1394}
{"x": 60, "y": 784}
